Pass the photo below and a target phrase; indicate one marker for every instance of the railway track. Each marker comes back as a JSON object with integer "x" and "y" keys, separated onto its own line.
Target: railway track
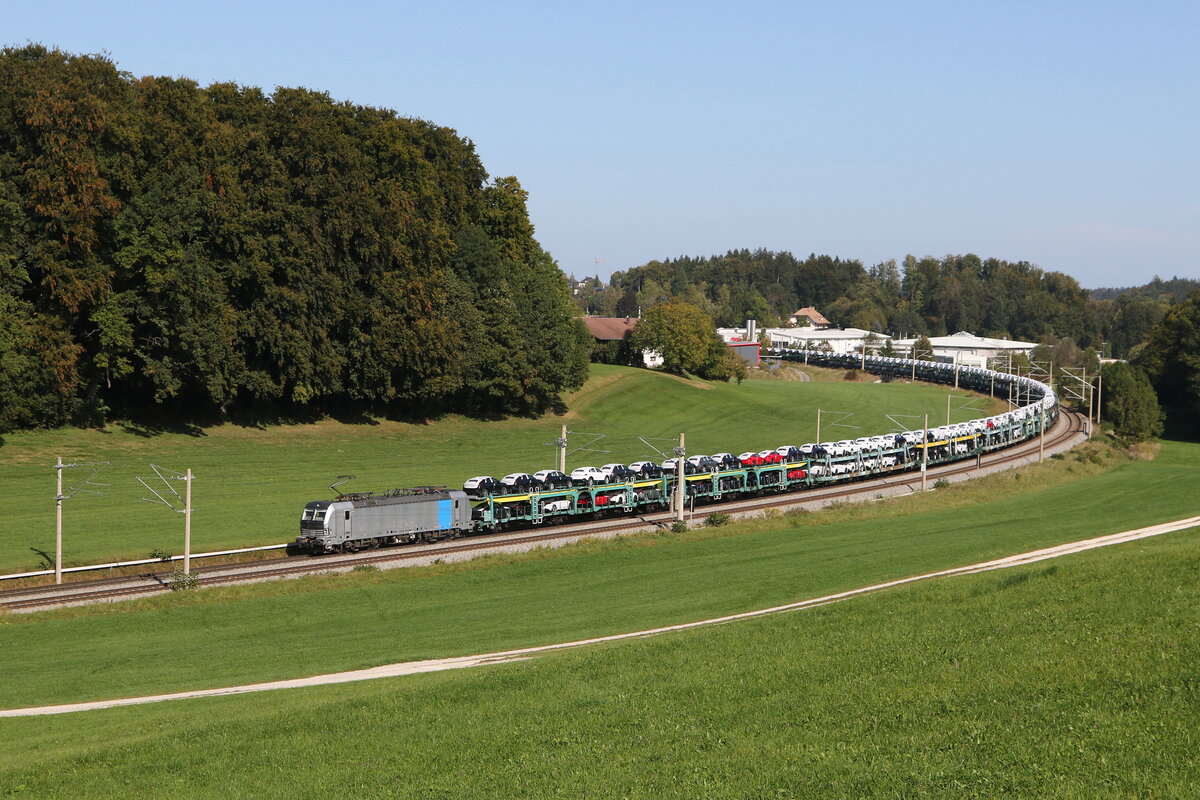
{"x": 1068, "y": 431}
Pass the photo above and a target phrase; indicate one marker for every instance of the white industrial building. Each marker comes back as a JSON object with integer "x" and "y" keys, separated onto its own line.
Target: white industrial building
{"x": 835, "y": 340}
{"x": 966, "y": 348}
{"x": 961, "y": 348}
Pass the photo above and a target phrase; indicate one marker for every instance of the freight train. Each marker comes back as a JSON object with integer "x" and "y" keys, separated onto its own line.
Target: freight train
{"x": 353, "y": 522}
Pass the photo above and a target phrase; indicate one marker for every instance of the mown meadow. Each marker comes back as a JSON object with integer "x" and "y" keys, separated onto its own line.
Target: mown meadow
{"x": 1074, "y": 678}
{"x": 218, "y": 637}
{"x": 251, "y": 482}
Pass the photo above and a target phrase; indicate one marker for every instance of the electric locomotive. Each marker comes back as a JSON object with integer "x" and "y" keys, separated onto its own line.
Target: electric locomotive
{"x": 398, "y": 516}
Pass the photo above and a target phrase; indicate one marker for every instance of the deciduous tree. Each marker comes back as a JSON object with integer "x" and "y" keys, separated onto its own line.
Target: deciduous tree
{"x": 682, "y": 333}
{"x": 1130, "y": 403}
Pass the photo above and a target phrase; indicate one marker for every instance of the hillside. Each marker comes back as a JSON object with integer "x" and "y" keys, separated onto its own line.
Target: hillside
{"x": 251, "y": 482}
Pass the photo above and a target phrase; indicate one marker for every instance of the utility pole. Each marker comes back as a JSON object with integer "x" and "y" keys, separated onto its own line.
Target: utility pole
{"x": 955, "y": 374}
{"x": 818, "y": 426}
{"x": 166, "y": 476}
{"x": 1090, "y": 404}
{"x": 561, "y": 444}
{"x": 187, "y": 525}
{"x": 562, "y": 450}
{"x": 1074, "y": 382}
{"x": 1099, "y": 396}
{"x": 1042, "y": 437}
{"x": 59, "y": 466}
{"x": 949, "y": 397}
{"x": 924, "y": 452}
{"x": 680, "y": 452}
{"x": 58, "y": 498}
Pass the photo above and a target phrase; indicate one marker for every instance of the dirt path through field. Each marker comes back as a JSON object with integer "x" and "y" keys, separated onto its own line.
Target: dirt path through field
{"x": 462, "y": 662}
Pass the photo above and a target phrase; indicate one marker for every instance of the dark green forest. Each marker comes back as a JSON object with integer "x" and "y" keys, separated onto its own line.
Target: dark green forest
{"x": 921, "y": 296}
{"x": 173, "y": 252}
{"x": 1174, "y": 290}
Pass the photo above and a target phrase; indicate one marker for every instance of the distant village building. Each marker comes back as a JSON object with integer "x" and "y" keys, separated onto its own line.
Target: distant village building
{"x": 615, "y": 329}
{"x": 967, "y": 348}
{"x": 609, "y": 329}
{"x": 811, "y": 317}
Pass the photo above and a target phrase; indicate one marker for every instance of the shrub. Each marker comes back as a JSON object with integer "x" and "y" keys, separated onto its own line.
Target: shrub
{"x": 717, "y": 520}
{"x": 797, "y": 517}
{"x": 679, "y": 526}
{"x": 181, "y": 580}
{"x": 941, "y": 483}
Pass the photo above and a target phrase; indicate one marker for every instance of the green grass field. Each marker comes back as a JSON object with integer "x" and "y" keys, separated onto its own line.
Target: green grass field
{"x": 1071, "y": 679}
{"x": 252, "y": 482}
{"x": 331, "y": 623}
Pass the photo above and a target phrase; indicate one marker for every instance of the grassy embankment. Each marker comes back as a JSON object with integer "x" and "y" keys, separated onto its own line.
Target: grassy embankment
{"x": 252, "y": 482}
{"x": 1068, "y": 679}
{"x": 331, "y": 623}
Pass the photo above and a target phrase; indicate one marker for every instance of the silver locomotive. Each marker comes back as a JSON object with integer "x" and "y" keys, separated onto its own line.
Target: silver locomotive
{"x": 398, "y": 516}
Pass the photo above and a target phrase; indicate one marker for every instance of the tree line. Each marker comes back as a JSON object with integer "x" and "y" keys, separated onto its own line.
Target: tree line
{"x": 919, "y": 296}
{"x": 1155, "y": 328}
{"x": 198, "y": 253}
{"x": 1162, "y": 379}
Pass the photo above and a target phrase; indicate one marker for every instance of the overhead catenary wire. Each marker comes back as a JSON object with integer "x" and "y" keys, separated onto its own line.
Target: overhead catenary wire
{"x": 166, "y": 476}
{"x": 59, "y": 497}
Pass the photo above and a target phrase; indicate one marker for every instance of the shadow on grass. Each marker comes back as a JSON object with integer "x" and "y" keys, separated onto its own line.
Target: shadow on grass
{"x": 1011, "y": 578}
{"x": 556, "y": 407}
{"x": 45, "y": 560}
{"x": 149, "y": 431}
{"x": 1182, "y": 425}
{"x": 354, "y": 418}
{"x": 261, "y": 417}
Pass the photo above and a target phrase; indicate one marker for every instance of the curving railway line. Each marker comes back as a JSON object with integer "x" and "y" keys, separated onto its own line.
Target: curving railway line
{"x": 1068, "y": 431}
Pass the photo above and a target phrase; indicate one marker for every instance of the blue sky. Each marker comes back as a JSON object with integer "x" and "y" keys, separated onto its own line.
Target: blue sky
{"x": 1061, "y": 133}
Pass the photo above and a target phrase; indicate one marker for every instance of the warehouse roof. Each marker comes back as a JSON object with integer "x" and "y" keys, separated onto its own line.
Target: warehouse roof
{"x": 966, "y": 340}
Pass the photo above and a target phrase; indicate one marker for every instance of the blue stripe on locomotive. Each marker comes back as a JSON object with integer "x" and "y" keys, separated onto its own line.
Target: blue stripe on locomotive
{"x": 445, "y": 514}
